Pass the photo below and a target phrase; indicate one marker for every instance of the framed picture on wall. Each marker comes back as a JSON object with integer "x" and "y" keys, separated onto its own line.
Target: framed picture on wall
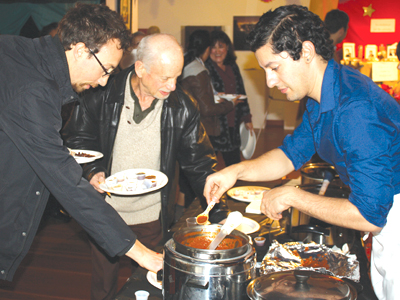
{"x": 371, "y": 52}
{"x": 349, "y": 51}
{"x": 391, "y": 51}
{"x": 241, "y": 28}
{"x": 125, "y": 10}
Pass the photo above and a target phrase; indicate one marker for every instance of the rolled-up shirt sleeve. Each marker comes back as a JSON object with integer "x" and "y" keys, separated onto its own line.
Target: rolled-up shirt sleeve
{"x": 299, "y": 147}
{"x": 365, "y": 139}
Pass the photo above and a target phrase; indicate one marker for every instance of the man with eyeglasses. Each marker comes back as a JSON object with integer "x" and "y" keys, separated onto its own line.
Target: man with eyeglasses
{"x": 143, "y": 119}
{"x": 37, "y": 77}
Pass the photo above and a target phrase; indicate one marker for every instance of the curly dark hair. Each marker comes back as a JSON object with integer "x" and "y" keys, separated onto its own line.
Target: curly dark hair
{"x": 287, "y": 27}
{"x": 222, "y": 37}
{"x": 94, "y": 25}
{"x": 199, "y": 41}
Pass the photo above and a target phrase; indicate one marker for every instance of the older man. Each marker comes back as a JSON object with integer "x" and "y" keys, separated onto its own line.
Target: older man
{"x": 350, "y": 122}
{"x": 143, "y": 120}
{"x": 36, "y": 78}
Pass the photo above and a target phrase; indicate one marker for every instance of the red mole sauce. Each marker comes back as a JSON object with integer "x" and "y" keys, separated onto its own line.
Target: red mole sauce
{"x": 319, "y": 262}
{"x": 202, "y": 242}
{"x": 201, "y": 219}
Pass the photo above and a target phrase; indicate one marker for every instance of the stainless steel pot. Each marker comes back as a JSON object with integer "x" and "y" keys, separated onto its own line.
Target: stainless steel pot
{"x": 314, "y": 173}
{"x": 298, "y": 284}
{"x": 191, "y": 273}
{"x": 304, "y": 228}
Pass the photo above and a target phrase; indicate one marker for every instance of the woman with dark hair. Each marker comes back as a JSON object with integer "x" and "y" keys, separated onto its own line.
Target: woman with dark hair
{"x": 226, "y": 78}
{"x": 196, "y": 80}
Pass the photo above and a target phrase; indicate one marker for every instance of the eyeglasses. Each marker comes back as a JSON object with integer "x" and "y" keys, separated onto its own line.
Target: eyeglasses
{"x": 107, "y": 73}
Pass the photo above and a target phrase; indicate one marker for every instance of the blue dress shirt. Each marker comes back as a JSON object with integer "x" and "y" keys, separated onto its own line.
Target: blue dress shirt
{"x": 355, "y": 128}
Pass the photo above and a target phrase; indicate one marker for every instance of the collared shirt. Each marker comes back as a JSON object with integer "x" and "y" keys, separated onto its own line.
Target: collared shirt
{"x": 356, "y": 128}
{"x": 140, "y": 114}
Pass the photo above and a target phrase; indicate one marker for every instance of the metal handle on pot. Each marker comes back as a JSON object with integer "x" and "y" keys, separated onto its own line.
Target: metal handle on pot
{"x": 319, "y": 234}
{"x": 311, "y": 229}
{"x": 301, "y": 281}
{"x": 160, "y": 275}
{"x": 202, "y": 285}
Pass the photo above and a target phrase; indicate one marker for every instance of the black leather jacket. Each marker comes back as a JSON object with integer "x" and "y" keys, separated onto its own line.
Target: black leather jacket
{"x": 94, "y": 123}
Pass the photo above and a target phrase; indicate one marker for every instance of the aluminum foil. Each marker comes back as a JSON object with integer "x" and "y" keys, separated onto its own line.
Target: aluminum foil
{"x": 313, "y": 257}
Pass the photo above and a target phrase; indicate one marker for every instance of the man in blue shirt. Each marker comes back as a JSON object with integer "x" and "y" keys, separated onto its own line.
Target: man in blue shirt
{"x": 350, "y": 122}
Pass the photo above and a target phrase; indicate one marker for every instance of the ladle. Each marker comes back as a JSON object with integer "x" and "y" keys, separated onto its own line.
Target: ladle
{"x": 234, "y": 220}
{"x": 325, "y": 183}
{"x": 203, "y": 217}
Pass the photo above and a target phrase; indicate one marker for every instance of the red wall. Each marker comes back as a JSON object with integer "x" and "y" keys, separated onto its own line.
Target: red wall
{"x": 359, "y": 25}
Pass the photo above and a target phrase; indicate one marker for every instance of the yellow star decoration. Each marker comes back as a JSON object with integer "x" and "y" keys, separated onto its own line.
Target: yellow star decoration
{"x": 368, "y": 10}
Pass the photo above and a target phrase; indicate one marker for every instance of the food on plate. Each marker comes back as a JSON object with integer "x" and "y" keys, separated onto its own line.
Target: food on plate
{"x": 131, "y": 181}
{"x": 249, "y": 193}
{"x": 81, "y": 154}
{"x": 141, "y": 175}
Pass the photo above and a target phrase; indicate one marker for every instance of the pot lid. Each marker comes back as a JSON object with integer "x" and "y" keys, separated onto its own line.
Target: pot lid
{"x": 299, "y": 284}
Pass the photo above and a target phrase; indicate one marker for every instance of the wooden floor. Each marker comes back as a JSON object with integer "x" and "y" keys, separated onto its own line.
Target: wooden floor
{"x": 58, "y": 265}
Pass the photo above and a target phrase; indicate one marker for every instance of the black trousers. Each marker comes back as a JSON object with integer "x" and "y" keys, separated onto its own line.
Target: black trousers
{"x": 231, "y": 157}
{"x": 105, "y": 268}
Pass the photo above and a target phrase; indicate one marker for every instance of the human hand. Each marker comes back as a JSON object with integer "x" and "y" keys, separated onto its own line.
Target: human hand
{"x": 145, "y": 257}
{"x": 276, "y": 201}
{"x": 236, "y": 100}
{"x": 96, "y": 180}
{"x": 249, "y": 127}
{"x": 218, "y": 183}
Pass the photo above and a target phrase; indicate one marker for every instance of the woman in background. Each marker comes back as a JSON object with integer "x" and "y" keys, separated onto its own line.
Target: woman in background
{"x": 196, "y": 80}
{"x": 226, "y": 78}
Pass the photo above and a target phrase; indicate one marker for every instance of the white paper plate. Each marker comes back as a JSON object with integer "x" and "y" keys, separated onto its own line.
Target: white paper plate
{"x": 83, "y": 159}
{"x": 152, "y": 278}
{"x": 248, "y": 141}
{"x": 248, "y": 226}
{"x": 247, "y": 193}
{"x": 231, "y": 96}
{"x": 126, "y": 179}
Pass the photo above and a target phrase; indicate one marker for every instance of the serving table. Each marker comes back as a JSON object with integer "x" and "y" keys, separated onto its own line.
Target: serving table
{"x": 138, "y": 280}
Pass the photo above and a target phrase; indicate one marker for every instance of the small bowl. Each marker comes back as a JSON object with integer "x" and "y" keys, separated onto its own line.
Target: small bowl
{"x": 142, "y": 295}
{"x": 260, "y": 241}
{"x": 141, "y": 175}
{"x": 191, "y": 221}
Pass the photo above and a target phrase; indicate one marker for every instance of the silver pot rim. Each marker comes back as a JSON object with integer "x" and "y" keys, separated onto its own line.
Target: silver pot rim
{"x": 205, "y": 253}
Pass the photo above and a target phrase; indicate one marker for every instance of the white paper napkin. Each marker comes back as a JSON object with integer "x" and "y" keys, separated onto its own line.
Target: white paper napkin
{"x": 254, "y": 207}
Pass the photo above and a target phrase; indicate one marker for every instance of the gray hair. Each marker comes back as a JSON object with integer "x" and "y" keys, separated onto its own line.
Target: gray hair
{"x": 149, "y": 51}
